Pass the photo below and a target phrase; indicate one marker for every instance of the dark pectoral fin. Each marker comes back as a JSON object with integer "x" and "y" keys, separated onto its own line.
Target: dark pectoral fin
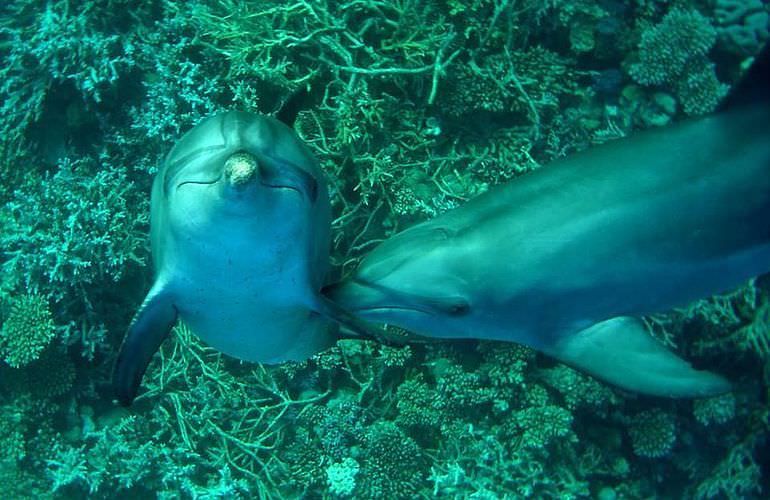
{"x": 149, "y": 328}
{"x": 621, "y": 351}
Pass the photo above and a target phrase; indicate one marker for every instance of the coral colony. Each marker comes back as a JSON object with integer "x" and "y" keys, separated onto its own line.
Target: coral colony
{"x": 411, "y": 108}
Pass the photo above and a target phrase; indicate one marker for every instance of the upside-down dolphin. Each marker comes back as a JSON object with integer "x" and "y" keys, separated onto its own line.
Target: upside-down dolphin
{"x": 566, "y": 258}
{"x": 239, "y": 230}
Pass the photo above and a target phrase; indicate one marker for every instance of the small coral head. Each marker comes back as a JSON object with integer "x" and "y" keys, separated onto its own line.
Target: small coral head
{"x": 240, "y": 169}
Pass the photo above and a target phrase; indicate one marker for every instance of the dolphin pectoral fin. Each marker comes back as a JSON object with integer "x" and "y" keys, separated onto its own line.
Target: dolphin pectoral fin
{"x": 621, "y": 351}
{"x": 147, "y": 331}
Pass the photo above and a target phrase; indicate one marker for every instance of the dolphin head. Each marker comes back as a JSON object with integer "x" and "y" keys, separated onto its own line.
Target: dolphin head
{"x": 241, "y": 151}
{"x": 240, "y": 177}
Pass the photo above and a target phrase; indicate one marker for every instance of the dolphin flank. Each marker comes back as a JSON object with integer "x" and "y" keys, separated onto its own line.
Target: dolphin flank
{"x": 565, "y": 259}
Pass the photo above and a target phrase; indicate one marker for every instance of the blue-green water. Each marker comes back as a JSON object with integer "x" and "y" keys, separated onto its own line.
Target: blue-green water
{"x": 411, "y": 108}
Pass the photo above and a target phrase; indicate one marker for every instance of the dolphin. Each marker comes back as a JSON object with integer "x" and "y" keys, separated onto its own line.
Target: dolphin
{"x": 240, "y": 236}
{"x": 566, "y": 258}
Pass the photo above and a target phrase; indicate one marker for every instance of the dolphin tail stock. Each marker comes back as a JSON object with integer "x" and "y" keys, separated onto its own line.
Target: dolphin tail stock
{"x": 147, "y": 331}
{"x": 621, "y": 352}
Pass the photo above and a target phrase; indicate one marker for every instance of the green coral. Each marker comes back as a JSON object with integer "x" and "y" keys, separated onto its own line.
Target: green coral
{"x": 538, "y": 426}
{"x": 716, "y": 410}
{"x": 392, "y": 464}
{"x": 412, "y": 108}
{"x": 652, "y": 433}
{"x": 80, "y": 226}
{"x": 673, "y": 54}
{"x": 578, "y": 390}
{"x": 12, "y": 429}
{"x": 505, "y": 364}
{"x": 49, "y": 376}
{"x": 27, "y": 331}
{"x": 419, "y": 405}
{"x": 738, "y": 475}
{"x": 743, "y": 25}
{"x": 699, "y": 90}
{"x": 666, "y": 48}
{"x": 462, "y": 391}
{"x": 342, "y": 477}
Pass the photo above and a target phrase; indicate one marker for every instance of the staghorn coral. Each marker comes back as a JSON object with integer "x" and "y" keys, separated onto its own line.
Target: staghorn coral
{"x": 736, "y": 476}
{"x": 80, "y": 226}
{"x": 371, "y": 85}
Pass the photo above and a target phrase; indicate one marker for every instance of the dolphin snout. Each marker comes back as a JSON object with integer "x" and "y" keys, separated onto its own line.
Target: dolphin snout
{"x": 240, "y": 169}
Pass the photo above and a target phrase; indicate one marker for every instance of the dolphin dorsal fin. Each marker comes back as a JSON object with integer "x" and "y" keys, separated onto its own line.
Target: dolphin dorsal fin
{"x": 150, "y": 327}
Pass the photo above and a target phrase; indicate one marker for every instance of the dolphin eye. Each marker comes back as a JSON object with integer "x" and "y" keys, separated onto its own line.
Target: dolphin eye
{"x": 451, "y": 306}
{"x": 459, "y": 309}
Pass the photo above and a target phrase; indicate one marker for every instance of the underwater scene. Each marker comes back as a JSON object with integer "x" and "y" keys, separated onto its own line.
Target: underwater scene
{"x": 494, "y": 378}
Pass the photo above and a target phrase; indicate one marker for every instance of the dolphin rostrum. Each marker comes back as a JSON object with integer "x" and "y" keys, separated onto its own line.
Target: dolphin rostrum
{"x": 564, "y": 259}
{"x": 239, "y": 232}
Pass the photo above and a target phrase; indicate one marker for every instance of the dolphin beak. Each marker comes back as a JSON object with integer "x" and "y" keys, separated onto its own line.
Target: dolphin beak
{"x": 364, "y": 298}
{"x": 355, "y": 295}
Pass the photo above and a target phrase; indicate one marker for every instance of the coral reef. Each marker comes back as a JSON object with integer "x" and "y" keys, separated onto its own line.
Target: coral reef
{"x": 652, "y": 433}
{"x": 411, "y": 108}
{"x": 27, "y": 330}
{"x": 673, "y": 53}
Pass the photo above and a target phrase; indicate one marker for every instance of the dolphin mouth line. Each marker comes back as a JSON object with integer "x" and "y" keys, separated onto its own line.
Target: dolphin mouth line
{"x": 393, "y": 308}
{"x": 219, "y": 179}
{"x": 204, "y": 183}
{"x": 281, "y": 186}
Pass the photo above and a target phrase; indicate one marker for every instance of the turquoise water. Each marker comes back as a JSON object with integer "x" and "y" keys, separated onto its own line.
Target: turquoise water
{"x": 411, "y": 108}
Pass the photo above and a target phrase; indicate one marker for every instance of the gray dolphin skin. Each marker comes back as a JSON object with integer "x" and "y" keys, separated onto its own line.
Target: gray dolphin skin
{"x": 240, "y": 229}
{"x": 566, "y": 258}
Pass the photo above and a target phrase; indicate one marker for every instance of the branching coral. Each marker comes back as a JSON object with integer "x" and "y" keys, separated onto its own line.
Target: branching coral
{"x": 579, "y": 390}
{"x": 342, "y": 477}
{"x": 716, "y": 410}
{"x": 393, "y": 464}
{"x": 412, "y": 108}
{"x": 737, "y": 476}
{"x": 673, "y": 53}
{"x": 45, "y": 50}
{"x": 80, "y": 226}
{"x": 27, "y": 331}
{"x": 653, "y": 433}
